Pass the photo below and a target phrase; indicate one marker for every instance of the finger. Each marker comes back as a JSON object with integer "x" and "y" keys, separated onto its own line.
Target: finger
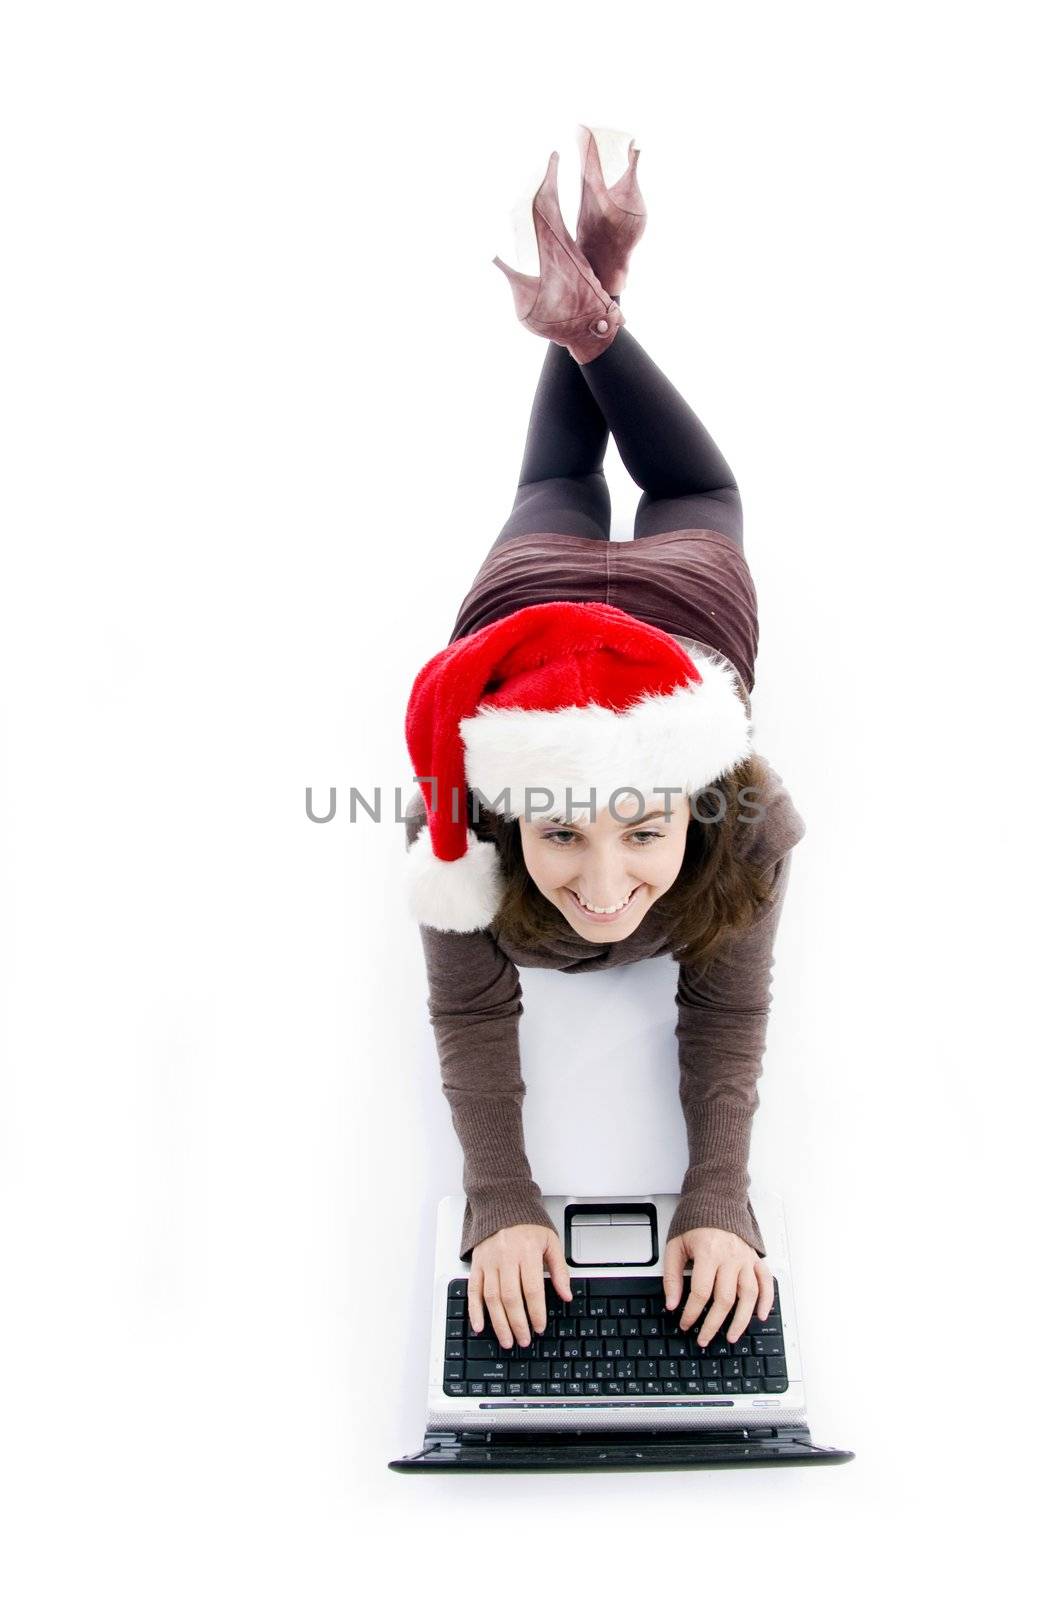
{"x": 672, "y": 1271}
{"x": 493, "y": 1301}
{"x": 513, "y": 1302}
{"x": 476, "y": 1303}
{"x": 768, "y": 1291}
{"x": 745, "y": 1304}
{"x": 558, "y": 1267}
{"x": 702, "y": 1276}
{"x": 535, "y": 1295}
{"x": 723, "y": 1300}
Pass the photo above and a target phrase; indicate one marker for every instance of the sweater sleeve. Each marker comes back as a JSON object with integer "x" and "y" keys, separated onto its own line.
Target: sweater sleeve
{"x": 474, "y": 1005}
{"x": 723, "y": 1009}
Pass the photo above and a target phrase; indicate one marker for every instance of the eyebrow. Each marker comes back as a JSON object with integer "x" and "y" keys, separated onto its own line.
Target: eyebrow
{"x": 634, "y": 822}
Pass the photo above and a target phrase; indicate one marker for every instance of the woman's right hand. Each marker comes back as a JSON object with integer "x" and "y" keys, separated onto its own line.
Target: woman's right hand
{"x": 507, "y": 1276}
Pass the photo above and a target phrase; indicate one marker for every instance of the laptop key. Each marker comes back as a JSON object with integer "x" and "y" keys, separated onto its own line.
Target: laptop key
{"x": 482, "y": 1350}
{"x": 485, "y": 1369}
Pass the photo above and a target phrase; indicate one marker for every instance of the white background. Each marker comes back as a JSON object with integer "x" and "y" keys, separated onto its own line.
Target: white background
{"x": 264, "y": 398}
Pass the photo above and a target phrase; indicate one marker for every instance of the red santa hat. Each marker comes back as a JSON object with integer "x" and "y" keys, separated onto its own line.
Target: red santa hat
{"x": 567, "y": 695}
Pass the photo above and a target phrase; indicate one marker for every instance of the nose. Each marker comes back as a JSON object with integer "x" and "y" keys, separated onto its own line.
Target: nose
{"x": 617, "y": 881}
{"x": 609, "y": 894}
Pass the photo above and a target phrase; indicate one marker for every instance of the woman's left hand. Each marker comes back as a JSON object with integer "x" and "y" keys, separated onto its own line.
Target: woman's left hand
{"x": 724, "y": 1266}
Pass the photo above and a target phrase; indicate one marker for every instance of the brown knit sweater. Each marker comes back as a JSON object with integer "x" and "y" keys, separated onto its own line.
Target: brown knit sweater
{"x": 475, "y": 1003}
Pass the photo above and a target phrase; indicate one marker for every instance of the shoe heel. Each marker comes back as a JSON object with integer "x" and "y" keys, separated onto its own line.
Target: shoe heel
{"x": 614, "y": 155}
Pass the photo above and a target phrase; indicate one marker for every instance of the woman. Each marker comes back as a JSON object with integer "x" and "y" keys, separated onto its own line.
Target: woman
{"x": 579, "y": 664}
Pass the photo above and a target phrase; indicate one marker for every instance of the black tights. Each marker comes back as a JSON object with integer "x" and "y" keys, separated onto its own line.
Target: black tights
{"x": 685, "y": 480}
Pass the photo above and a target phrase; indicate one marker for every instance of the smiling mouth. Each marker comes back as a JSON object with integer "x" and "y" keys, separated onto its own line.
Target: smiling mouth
{"x": 603, "y": 916}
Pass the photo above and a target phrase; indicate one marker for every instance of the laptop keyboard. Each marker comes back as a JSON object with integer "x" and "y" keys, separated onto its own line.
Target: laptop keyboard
{"x": 613, "y": 1338}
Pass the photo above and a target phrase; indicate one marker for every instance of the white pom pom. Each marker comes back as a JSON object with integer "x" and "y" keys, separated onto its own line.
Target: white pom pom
{"x": 455, "y": 896}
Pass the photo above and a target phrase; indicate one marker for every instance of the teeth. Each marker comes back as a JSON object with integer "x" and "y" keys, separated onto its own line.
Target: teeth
{"x": 605, "y": 910}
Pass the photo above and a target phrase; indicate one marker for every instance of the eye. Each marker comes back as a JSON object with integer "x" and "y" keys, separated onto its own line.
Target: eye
{"x": 562, "y": 836}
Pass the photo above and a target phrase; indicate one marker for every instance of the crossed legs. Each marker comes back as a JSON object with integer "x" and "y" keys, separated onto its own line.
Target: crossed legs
{"x": 562, "y": 488}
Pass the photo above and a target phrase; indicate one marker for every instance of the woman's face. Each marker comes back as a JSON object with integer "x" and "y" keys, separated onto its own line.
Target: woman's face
{"x": 618, "y": 864}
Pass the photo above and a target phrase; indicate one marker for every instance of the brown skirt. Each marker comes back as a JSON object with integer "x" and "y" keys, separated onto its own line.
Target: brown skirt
{"x": 691, "y": 581}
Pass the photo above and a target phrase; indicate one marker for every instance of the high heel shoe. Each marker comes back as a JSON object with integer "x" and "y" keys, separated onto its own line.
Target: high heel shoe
{"x": 566, "y": 303}
{"x": 611, "y": 221}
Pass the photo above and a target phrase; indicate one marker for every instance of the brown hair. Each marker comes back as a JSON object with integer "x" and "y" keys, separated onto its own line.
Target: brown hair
{"x": 716, "y": 891}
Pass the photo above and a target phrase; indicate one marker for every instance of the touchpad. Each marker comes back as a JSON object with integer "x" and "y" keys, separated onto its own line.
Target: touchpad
{"x": 612, "y": 1238}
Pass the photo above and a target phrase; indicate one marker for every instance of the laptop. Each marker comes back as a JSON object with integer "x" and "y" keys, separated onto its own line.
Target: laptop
{"x": 613, "y": 1382}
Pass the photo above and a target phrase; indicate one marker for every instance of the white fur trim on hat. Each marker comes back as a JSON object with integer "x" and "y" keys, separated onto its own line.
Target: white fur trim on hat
{"x": 455, "y": 896}
{"x": 686, "y": 739}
